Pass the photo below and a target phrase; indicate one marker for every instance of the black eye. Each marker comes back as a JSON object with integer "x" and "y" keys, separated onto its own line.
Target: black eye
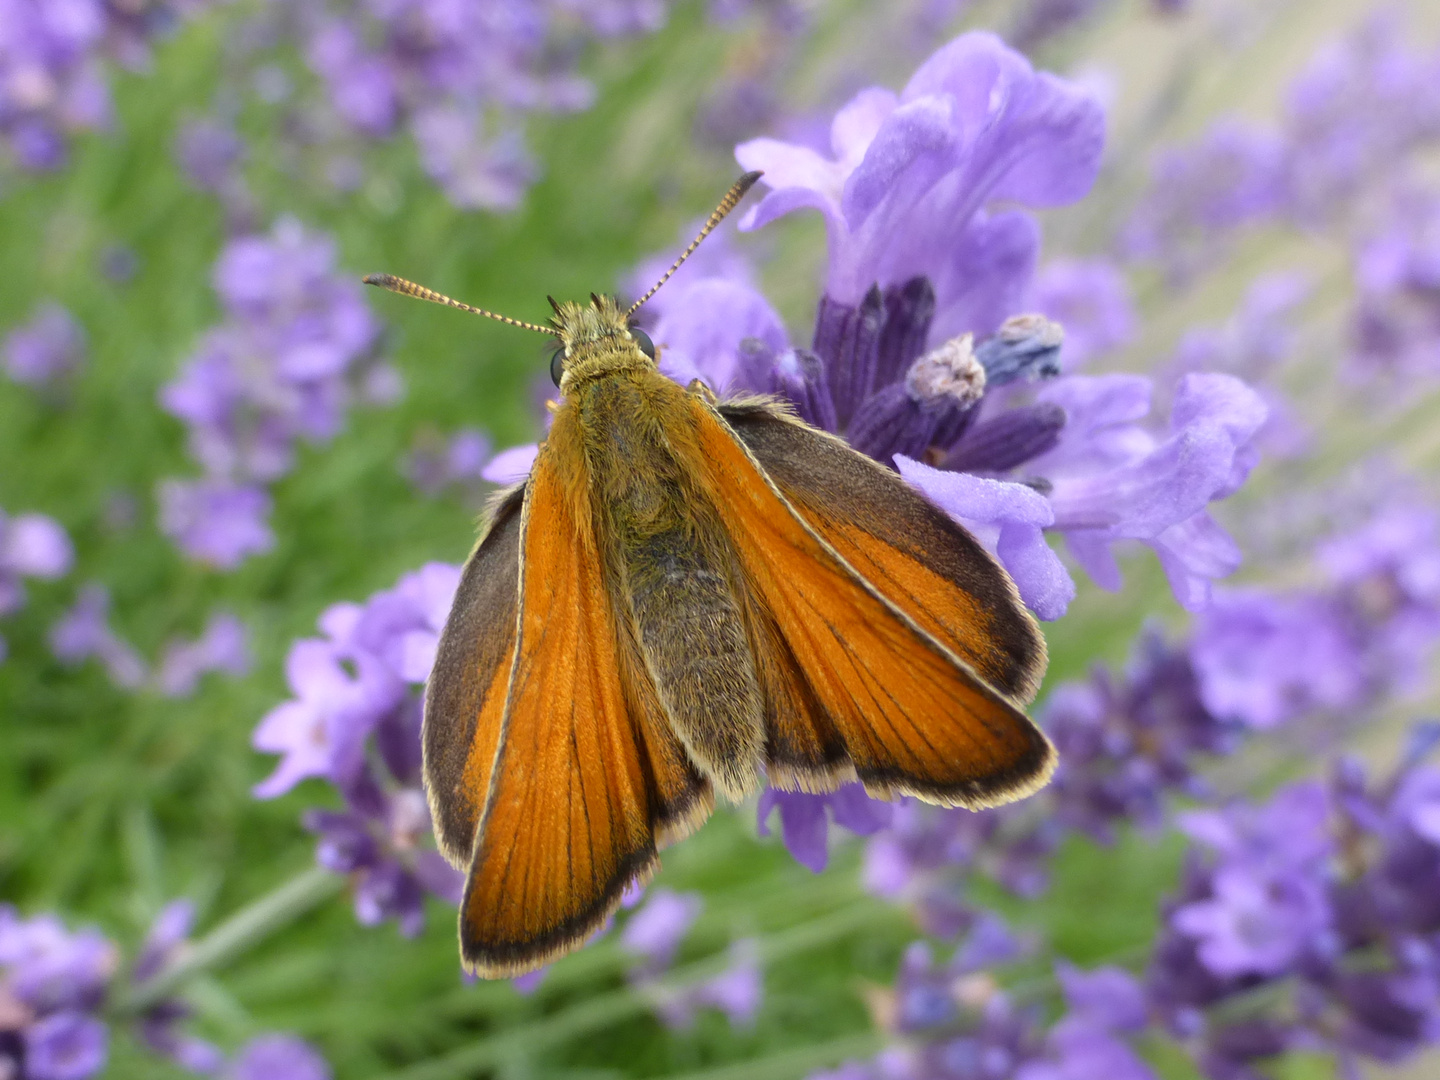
{"x": 557, "y": 364}
{"x": 642, "y": 339}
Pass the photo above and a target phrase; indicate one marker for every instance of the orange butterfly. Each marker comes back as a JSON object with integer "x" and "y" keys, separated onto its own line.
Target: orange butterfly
{"x": 684, "y": 595}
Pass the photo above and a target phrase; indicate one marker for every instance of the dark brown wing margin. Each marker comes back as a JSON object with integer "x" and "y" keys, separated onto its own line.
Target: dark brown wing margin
{"x": 468, "y": 682}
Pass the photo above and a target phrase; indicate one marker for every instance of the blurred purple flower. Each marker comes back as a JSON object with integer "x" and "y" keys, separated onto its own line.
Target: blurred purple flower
{"x": 1395, "y": 327}
{"x": 355, "y": 721}
{"x": 31, "y": 545}
{"x": 1091, "y": 300}
{"x": 296, "y": 345}
{"x": 84, "y": 632}
{"x": 460, "y": 79}
{"x": 65, "y": 1046}
{"x": 510, "y": 466}
{"x": 653, "y": 934}
{"x": 1102, "y": 1005}
{"x": 1358, "y": 107}
{"x": 223, "y": 646}
{"x": 438, "y": 464}
{"x": 737, "y": 992}
{"x": 1387, "y": 574}
{"x": 1265, "y": 659}
{"x": 46, "y": 349}
{"x": 52, "y": 67}
{"x": 1231, "y": 177}
{"x": 277, "y": 1057}
{"x": 216, "y": 522}
{"x": 209, "y": 152}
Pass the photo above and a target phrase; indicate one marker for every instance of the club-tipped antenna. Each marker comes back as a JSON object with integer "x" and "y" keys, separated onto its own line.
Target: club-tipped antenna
{"x": 409, "y": 288}
{"x": 733, "y": 196}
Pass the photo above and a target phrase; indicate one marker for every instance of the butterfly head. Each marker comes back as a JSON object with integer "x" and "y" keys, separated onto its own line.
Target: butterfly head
{"x": 595, "y": 340}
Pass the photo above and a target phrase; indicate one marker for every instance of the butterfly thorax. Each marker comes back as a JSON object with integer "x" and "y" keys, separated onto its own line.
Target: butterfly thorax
{"x": 596, "y": 341}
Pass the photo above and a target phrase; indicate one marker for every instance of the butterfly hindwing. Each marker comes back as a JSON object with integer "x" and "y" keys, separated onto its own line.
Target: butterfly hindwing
{"x": 465, "y": 697}
{"x": 912, "y": 714}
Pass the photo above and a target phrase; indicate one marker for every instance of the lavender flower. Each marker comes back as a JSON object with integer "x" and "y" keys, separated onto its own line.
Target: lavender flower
{"x": 223, "y": 646}
{"x": 1366, "y": 631}
{"x": 905, "y": 193}
{"x": 54, "y": 981}
{"x": 216, "y": 522}
{"x": 653, "y": 934}
{"x": 209, "y": 152}
{"x": 737, "y": 992}
{"x": 277, "y": 1057}
{"x": 460, "y": 79}
{"x": 1395, "y": 328}
{"x": 1312, "y": 925}
{"x": 918, "y": 271}
{"x": 52, "y": 68}
{"x": 803, "y": 819}
{"x": 1091, "y": 300}
{"x": 297, "y": 342}
{"x": 1103, "y": 1006}
{"x": 358, "y": 687}
{"x": 437, "y": 464}
{"x": 46, "y": 349}
{"x": 84, "y": 633}
{"x": 1361, "y": 104}
{"x": 31, "y": 545}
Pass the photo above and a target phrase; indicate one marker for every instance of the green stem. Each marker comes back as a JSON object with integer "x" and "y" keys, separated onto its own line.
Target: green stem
{"x": 609, "y": 1008}
{"x": 243, "y": 930}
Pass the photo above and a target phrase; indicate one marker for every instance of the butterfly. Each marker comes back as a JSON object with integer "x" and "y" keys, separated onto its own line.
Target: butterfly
{"x": 686, "y": 595}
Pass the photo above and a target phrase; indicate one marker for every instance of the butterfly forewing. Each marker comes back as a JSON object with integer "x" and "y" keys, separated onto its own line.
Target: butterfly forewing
{"x": 576, "y": 794}
{"x": 909, "y": 549}
{"x": 912, "y": 715}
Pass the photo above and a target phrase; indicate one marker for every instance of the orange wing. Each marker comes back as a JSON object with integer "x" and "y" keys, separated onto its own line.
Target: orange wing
{"x": 465, "y": 697}
{"x": 852, "y": 671}
{"x": 583, "y": 779}
{"x": 908, "y": 548}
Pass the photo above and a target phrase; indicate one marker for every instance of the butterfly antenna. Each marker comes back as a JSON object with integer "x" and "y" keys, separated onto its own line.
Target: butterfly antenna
{"x": 409, "y": 288}
{"x": 733, "y": 196}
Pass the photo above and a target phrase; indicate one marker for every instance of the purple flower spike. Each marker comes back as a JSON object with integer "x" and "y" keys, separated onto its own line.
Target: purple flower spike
{"x": 653, "y": 933}
{"x": 208, "y": 152}
{"x": 46, "y": 349}
{"x": 803, "y": 823}
{"x": 355, "y": 721}
{"x": 223, "y": 647}
{"x": 1091, "y": 300}
{"x": 1120, "y": 484}
{"x": 65, "y": 1046}
{"x": 737, "y": 992}
{"x": 1265, "y": 659}
{"x": 216, "y": 522}
{"x": 278, "y": 1057}
{"x": 84, "y": 633}
{"x": 1231, "y": 177}
{"x": 298, "y": 343}
{"x": 911, "y": 172}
